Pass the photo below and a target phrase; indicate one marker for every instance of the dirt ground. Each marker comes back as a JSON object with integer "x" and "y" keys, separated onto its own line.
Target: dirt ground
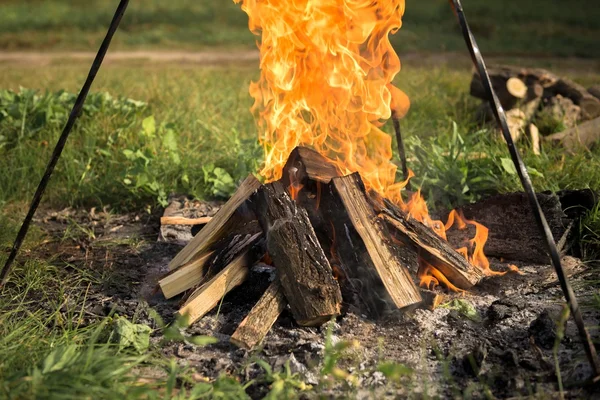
{"x": 507, "y": 345}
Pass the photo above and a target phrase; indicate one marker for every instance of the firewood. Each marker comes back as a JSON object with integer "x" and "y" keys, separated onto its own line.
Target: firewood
{"x": 559, "y": 109}
{"x": 519, "y": 118}
{"x": 595, "y": 91}
{"x": 513, "y": 232}
{"x": 184, "y": 221}
{"x": 210, "y": 294}
{"x": 590, "y": 106}
{"x": 499, "y": 75}
{"x": 303, "y": 269}
{"x": 306, "y": 164}
{"x": 363, "y": 244}
{"x": 509, "y": 91}
{"x": 253, "y": 329}
{"x": 430, "y": 246}
{"x": 516, "y": 88}
{"x": 537, "y": 79}
{"x": 185, "y": 277}
{"x": 534, "y": 134}
{"x": 583, "y": 135}
{"x": 228, "y": 217}
{"x": 205, "y": 265}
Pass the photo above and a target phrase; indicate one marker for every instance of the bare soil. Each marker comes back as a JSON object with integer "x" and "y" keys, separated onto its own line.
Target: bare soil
{"x": 507, "y": 346}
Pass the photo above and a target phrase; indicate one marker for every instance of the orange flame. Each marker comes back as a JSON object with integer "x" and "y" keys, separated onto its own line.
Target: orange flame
{"x": 476, "y": 256}
{"x": 430, "y": 277}
{"x": 326, "y": 73}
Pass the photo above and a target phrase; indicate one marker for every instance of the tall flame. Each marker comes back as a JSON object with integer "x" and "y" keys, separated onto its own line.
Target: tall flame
{"x": 326, "y": 73}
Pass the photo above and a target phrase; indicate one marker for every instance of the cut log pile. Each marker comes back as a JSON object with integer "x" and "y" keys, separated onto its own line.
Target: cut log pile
{"x": 534, "y": 97}
{"x": 332, "y": 244}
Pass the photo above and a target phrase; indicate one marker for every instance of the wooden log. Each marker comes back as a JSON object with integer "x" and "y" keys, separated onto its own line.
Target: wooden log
{"x": 595, "y": 91}
{"x": 380, "y": 279}
{"x": 513, "y": 232}
{"x": 184, "y": 221}
{"x": 581, "y": 136}
{"x": 210, "y": 294}
{"x": 186, "y": 277}
{"x": 205, "y": 265}
{"x": 509, "y": 91}
{"x": 430, "y": 246}
{"x": 516, "y": 88}
{"x": 306, "y": 164}
{"x": 559, "y": 110}
{"x": 534, "y": 134}
{"x": 590, "y": 106}
{"x": 253, "y": 329}
{"x": 228, "y": 217}
{"x": 500, "y": 75}
{"x": 304, "y": 271}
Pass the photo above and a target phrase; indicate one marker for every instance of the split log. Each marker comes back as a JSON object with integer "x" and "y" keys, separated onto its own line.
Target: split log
{"x": 184, "y": 221}
{"x": 225, "y": 221}
{"x": 185, "y": 277}
{"x": 584, "y": 135}
{"x": 513, "y": 232}
{"x": 305, "y": 165}
{"x": 519, "y": 118}
{"x": 304, "y": 271}
{"x": 430, "y": 246}
{"x": 509, "y": 91}
{"x": 499, "y": 75}
{"x": 560, "y": 110}
{"x": 534, "y": 134}
{"x": 253, "y": 329}
{"x": 205, "y": 265}
{"x": 590, "y": 106}
{"x": 379, "y": 278}
{"x": 595, "y": 91}
{"x": 210, "y": 294}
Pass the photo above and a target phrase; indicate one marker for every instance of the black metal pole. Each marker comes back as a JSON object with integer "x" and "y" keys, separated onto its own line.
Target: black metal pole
{"x": 401, "y": 151}
{"x": 477, "y": 58}
{"x": 75, "y": 112}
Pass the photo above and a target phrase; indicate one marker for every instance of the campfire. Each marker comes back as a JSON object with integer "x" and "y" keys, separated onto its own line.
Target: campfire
{"x": 332, "y": 221}
{"x": 332, "y": 243}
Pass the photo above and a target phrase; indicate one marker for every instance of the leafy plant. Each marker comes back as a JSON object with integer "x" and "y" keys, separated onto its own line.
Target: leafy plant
{"x": 284, "y": 384}
{"x": 24, "y": 114}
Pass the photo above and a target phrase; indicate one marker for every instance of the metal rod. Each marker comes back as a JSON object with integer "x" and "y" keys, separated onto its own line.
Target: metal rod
{"x": 477, "y": 58}
{"x": 75, "y": 112}
{"x": 401, "y": 150}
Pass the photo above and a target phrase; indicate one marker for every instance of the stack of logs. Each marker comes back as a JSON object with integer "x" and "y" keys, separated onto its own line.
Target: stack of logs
{"x": 331, "y": 243}
{"x": 527, "y": 94}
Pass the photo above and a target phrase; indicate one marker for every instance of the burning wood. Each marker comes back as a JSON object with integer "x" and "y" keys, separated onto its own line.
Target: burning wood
{"x": 302, "y": 267}
{"x": 333, "y": 238}
{"x": 363, "y": 245}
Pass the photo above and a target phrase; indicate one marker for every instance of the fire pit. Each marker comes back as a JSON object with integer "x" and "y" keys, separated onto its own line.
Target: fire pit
{"x": 333, "y": 244}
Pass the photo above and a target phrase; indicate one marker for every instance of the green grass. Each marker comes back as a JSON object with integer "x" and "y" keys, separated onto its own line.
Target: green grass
{"x": 189, "y": 130}
{"x": 151, "y": 130}
{"x": 535, "y": 27}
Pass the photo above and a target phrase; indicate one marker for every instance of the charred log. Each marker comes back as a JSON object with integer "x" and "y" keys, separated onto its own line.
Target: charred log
{"x": 430, "y": 246}
{"x": 303, "y": 269}
{"x": 378, "y": 277}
